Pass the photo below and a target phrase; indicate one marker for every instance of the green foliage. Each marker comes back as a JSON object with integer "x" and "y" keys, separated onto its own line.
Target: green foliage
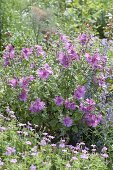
{"x": 16, "y": 22}
{"x": 28, "y": 151}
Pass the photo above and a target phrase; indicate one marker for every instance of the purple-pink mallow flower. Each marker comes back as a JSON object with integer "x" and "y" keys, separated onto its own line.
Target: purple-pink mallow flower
{"x": 64, "y": 38}
{"x": 45, "y": 72}
{"x": 33, "y": 65}
{"x": 37, "y": 106}
{"x": 100, "y": 80}
{"x": 26, "y": 52}
{"x": 83, "y": 38}
{"x": 73, "y": 54}
{"x": 59, "y": 100}
{"x": 79, "y": 92}
{"x": 13, "y": 82}
{"x": 23, "y": 95}
{"x": 32, "y": 167}
{"x": 71, "y": 51}
{"x": 6, "y": 62}
{"x": 88, "y": 106}
{"x": 10, "y": 150}
{"x": 24, "y": 81}
{"x": 64, "y": 59}
{"x": 96, "y": 61}
{"x": 40, "y": 51}
{"x": 69, "y": 105}
{"x": 67, "y": 121}
{"x": 9, "y": 52}
{"x": 92, "y": 120}
{"x": 93, "y": 60}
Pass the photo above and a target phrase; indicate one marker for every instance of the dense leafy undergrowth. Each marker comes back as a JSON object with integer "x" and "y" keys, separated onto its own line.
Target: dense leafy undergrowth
{"x": 22, "y": 149}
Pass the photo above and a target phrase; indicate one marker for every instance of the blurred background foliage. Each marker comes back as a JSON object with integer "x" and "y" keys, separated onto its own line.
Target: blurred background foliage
{"x": 20, "y": 26}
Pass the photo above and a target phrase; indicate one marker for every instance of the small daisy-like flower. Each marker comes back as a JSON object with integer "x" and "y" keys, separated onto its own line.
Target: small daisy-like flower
{"x": 104, "y": 155}
{"x": 13, "y": 160}
{"x": 74, "y": 158}
{"x": 104, "y": 149}
{"x": 28, "y": 142}
{"x": 1, "y": 162}
{"x": 43, "y": 142}
{"x": 68, "y": 165}
{"x": 32, "y": 167}
{"x": 84, "y": 156}
{"x": 10, "y": 150}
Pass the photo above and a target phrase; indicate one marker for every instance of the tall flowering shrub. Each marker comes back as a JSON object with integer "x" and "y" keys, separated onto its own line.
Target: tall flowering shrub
{"x": 58, "y": 88}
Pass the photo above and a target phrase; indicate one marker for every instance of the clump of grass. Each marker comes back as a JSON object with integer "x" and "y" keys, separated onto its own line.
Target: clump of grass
{"x": 43, "y": 21}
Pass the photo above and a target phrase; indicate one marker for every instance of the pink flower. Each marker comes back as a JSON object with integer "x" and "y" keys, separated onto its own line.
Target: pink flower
{"x": 64, "y": 59}
{"x": 70, "y": 105}
{"x": 67, "y": 121}
{"x": 8, "y": 54}
{"x": 9, "y": 51}
{"x": 48, "y": 68}
{"x": 28, "y": 142}
{"x": 45, "y": 72}
{"x": 40, "y": 51}
{"x": 80, "y": 92}
{"x": 10, "y": 150}
{"x": 13, "y": 82}
{"x": 32, "y": 167}
{"x": 104, "y": 149}
{"x": 13, "y": 160}
{"x": 96, "y": 61}
{"x": 37, "y": 106}
{"x": 83, "y": 38}
{"x": 53, "y": 145}
{"x": 100, "y": 80}
{"x": 84, "y": 156}
{"x": 73, "y": 54}
{"x": 59, "y": 100}
{"x": 62, "y": 145}
{"x": 64, "y": 38}
{"x": 26, "y": 52}
{"x": 68, "y": 165}
{"x": 87, "y": 106}
{"x": 92, "y": 120}
{"x": 23, "y": 95}
{"x": 74, "y": 158}
{"x": 6, "y": 62}
{"x": 43, "y": 142}
{"x": 24, "y": 81}
{"x": 1, "y": 163}
{"x": 104, "y": 155}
